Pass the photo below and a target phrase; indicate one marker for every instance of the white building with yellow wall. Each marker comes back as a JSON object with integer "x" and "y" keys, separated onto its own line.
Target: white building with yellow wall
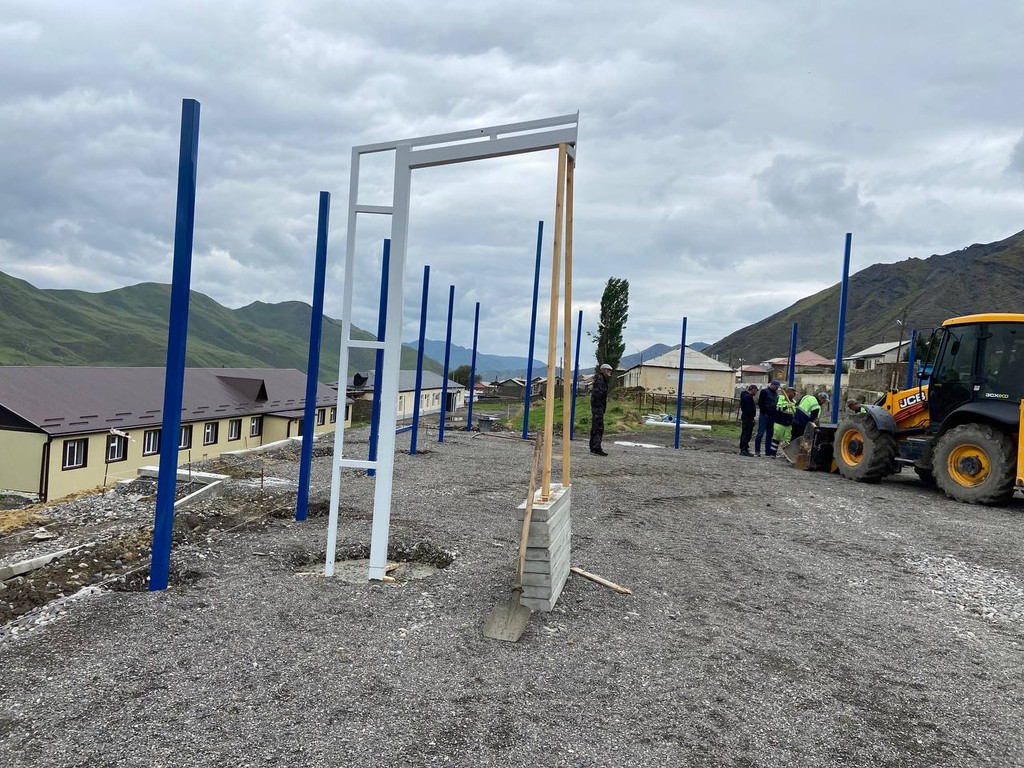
{"x": 702, "y": 375}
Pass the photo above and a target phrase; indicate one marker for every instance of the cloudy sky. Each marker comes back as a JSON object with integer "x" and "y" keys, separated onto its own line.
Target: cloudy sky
{"x": 725, "y": 147}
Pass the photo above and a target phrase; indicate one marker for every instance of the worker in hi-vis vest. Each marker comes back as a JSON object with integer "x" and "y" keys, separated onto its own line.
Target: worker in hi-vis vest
{"x": 808, "y": 410}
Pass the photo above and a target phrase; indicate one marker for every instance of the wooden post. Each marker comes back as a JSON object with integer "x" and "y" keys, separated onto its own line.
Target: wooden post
{"x": 549, "y": 389}
{"x": 567, "y": 330}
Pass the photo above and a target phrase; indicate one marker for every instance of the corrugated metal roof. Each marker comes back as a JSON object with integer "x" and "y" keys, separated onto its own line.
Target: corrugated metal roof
{"x": 878, "y": 350}
{"x": 75, "y": 399}
{"x": 695, "y": 360}
{"x": 807, "y": 358}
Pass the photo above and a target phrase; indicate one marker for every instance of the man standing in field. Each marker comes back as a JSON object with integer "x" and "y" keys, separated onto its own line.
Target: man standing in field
{"x": 748, "y": 412}
{"x": 598, "y": 402}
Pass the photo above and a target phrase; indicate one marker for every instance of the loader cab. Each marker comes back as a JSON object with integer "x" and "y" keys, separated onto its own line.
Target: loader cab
{"x": 979, "y": 362}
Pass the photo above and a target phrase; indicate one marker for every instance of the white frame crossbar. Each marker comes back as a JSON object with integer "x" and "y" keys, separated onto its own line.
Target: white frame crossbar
{"x": 410, "y": 154}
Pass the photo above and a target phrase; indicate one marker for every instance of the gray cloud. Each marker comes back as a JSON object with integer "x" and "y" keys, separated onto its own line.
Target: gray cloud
{"x": 713, "y": 137}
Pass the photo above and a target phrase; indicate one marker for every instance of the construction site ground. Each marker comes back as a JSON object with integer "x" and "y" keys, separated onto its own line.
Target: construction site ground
{"x": 777, "y": 618}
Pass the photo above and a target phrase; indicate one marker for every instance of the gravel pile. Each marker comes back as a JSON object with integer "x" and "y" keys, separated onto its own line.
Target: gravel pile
{"x": 778, "y": 618}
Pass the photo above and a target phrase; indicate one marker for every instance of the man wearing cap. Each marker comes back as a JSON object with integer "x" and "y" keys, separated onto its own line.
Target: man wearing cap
{"x": 598, "y": 401}
{"x": 808, "y": 410}
{"x": 766, "y": 403}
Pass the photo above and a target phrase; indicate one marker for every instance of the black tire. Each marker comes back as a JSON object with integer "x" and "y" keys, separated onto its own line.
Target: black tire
{"x": 975, "y": 464}
{"x": 862, "y": 451}
{"x": 926, "y": 475}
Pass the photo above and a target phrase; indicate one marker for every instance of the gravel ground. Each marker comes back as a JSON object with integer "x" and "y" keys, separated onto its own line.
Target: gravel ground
{"x": 778, "y": 618}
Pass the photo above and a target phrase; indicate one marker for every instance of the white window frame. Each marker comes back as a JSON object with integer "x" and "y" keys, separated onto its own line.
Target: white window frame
{"x": 334, "y": 415}
{"x": 185, "y": 437}
{"x": 234, "y": 429}
{"x": 321, "y": 416}
{"x": 117, "y": 448}
{"x": 76, "y": 453}
{"x": 256, "y": 426}
{"x": 149, "y": 437}
{"x": 210, "y": 430}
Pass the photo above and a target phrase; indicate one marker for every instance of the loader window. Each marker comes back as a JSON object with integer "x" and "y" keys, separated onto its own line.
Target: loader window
{"x": 951, "y": 382}
{"x": 1002, "y": 362}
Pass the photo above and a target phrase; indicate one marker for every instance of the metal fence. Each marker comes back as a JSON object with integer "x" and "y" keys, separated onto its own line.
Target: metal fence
{"x": 694, "y": 408}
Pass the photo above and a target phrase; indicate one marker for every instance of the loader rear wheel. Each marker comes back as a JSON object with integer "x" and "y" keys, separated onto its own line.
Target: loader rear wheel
{"x": 974, "y": 463}
{"x": 863, "y": 452}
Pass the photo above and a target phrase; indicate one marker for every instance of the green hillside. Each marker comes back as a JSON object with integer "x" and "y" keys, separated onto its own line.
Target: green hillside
{"x": 980, "y": 278}
{"x": 128, "y": 326}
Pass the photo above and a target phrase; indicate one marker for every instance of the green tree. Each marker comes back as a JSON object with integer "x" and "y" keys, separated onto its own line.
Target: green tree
{"x": 614, "y": 313}
{"x": 461, "y": 375}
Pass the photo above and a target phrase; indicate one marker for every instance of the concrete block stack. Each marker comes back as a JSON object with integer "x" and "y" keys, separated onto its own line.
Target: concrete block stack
{"x": 547, "y": 548}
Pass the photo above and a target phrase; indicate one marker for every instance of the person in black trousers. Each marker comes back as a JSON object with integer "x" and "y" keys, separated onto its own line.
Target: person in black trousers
{"x": 598, "y": 402}
{"x": 748, "y": 412}
{"x": 766, "y": 404}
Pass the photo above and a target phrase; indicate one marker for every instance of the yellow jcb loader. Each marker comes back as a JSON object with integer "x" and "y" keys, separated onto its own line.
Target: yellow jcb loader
{"x": 960, "y": 428}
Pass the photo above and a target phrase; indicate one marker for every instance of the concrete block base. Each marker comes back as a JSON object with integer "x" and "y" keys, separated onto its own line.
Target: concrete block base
{"x": 547, "y": 548}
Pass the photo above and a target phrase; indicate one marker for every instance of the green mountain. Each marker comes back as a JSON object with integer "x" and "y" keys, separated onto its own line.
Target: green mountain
{"x": 128, "y": 326}
{"x": 980, "y": 278}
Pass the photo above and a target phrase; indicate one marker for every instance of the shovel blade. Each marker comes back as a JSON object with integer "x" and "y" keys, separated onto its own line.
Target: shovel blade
{"x": 798, "y": 452}
{"x": 507, "y": 621}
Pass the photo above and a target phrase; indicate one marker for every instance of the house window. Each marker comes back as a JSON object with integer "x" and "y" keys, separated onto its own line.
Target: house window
{"x": 255, "y": 426}
{"x": 186, "y": 437}
{"x": 210, "y": 432}
{"x": 334, "y": 415}
{"x": 75, "y": 453}
{"x": 117, "y": 448}
{"x": 235, "y": 429}
{"x": 151, "y": 442}
{"x": 321, "y": 417}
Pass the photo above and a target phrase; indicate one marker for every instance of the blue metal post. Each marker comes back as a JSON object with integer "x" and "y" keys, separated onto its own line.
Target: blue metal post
{"x": 419, "y": 361}
{"x": 792, "y": 359}
{"x": 472, "y": 367}
{"x": 177, "y": 335}
{"x": 316, "y": 323}
{"x": 838, "y": 380}
{"x": 576, "y": 375}
{"x": 679, "y": 384}
{"x": 912, "y": 359}
{"x": 533, "y": 331}
{"x": 447, "y": 360}
{"x": 378, "y": 360}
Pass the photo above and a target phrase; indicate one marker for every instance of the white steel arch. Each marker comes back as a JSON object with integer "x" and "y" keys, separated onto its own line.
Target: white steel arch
{"x": 426, "y": 152}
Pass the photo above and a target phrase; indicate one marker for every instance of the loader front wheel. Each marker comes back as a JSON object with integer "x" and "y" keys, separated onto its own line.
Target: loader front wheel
{"x": 863, "y": 452}
{"x": 974, "y": 463}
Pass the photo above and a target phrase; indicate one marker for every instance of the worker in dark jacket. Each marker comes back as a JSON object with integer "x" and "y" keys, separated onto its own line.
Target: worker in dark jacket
{"x": 766, "y": 403}
{"x": 598, "y": 402}
{"x": 748, "y": 412}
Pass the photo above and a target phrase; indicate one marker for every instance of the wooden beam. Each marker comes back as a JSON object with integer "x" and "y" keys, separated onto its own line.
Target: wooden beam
{"x": 567, "y": 330}
{"x": 603, "y": 582}
{"x": 549, "y": 389}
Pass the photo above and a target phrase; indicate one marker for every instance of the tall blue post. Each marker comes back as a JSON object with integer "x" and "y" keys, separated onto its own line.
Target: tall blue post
{"x": 576, "y": 375}
{"x": 378, "y": 360}
{"x": 472, "y": 367}
{"x": 679, "y": 384}
{"x": 447, "y": 360}
{"x": 533, "y": 331}
{"x": 911, "y": 359}
{"x": 419, "y": 360}
{"x": 791, "y": 379}
{"x": 316, "y": 322}
{"x": 177, "y": 334}
{"x": 838, "y": 380}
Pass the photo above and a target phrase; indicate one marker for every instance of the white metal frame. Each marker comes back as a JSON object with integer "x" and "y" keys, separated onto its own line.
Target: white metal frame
{"x": 410, "y": 154}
